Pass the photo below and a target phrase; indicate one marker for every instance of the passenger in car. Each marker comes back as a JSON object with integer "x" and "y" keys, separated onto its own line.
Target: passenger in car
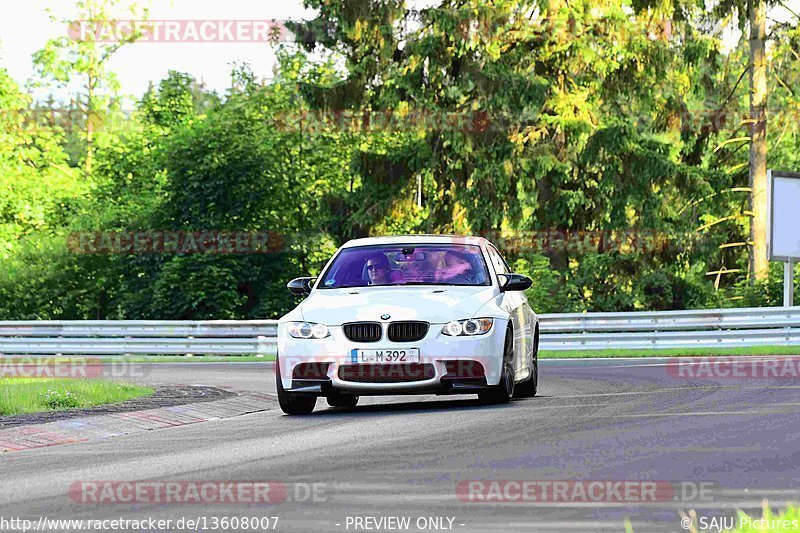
{"x": 457, "y": 269}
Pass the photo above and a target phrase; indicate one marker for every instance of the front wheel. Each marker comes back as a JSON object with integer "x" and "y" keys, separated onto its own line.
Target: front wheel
{"x": 292, "y": 403}
{"x": 503, "y": 391}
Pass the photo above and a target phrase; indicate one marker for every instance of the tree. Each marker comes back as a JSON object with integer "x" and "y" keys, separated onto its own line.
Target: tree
{"x": 606, "y": 131}
{"x": 759, "y": 266}
{"x": 543, "y": 117}
{"x": 177, "y": 98}
{"x": 752, "y": 20}
{"x": 38, "y": 189}
{"x": 85, "y": 53}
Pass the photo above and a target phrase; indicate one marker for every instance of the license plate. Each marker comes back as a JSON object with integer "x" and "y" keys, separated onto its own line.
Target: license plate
{"x": 406, "y": 355}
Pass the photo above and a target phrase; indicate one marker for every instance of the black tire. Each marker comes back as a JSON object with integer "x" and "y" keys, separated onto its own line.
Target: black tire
{"x": 527, "y": 389}
{"x": 342, "y": 400}
{"x": 293, "y": 404}
{"x": 503, "y": 391}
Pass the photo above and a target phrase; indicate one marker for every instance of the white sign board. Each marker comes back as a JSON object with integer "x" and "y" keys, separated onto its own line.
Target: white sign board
{"x": 783, "y": 231}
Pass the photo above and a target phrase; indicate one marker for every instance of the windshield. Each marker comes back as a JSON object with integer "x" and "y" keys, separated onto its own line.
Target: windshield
{"x": 427, "y": 264}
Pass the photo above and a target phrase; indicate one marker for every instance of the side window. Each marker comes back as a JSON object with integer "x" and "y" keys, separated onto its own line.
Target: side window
{"x": 499, "y": 265}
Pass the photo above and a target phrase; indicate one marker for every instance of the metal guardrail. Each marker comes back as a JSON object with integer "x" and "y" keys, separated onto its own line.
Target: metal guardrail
{"x": 139, "y": 337}
{"x": 723, "y": 328}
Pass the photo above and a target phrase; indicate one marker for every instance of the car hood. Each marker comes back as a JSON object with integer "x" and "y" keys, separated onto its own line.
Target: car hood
{"x": 434, "y": 304}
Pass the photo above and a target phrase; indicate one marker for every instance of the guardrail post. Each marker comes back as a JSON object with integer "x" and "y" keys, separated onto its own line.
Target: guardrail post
{"x": 788, "y": 283}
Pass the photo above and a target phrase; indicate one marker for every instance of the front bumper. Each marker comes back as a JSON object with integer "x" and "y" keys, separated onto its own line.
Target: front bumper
{"x": 334, "y": 352}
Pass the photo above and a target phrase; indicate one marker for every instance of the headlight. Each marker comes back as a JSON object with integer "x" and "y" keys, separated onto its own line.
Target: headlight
{"x": 468, "y": 328}
{"x": 308, "y": 330}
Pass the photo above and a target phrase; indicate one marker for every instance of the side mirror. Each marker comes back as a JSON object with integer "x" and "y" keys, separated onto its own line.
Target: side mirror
{"x": 514, "y": 282}
{"x": 301, "y": 286}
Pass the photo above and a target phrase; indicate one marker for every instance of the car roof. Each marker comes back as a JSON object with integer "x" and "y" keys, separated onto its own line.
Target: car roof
{"x": 416, "y": 239}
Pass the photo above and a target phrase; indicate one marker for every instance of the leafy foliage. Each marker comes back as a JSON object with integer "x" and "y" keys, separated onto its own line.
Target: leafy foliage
{"x": 618, "y": 125}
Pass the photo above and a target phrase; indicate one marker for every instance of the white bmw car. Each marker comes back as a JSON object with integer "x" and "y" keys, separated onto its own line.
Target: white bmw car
{"x": 414, "y": 314}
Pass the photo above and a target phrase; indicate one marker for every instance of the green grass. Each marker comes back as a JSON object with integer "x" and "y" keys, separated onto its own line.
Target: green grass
{"x": 671, "y": 352}
{"x": 788, "y": 520}
{"x": 33, "y": 395}
{"x": 544, "y": 354}
{"x": 143, "y": 359}
{"x": 198, "y": 359}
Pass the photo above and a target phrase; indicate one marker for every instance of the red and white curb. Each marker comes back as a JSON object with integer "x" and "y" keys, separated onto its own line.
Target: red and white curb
{"x": 112, "y": 425}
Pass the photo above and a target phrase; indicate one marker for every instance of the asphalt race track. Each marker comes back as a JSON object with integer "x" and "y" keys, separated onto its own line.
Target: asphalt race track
{"x": 738, "y": 438}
